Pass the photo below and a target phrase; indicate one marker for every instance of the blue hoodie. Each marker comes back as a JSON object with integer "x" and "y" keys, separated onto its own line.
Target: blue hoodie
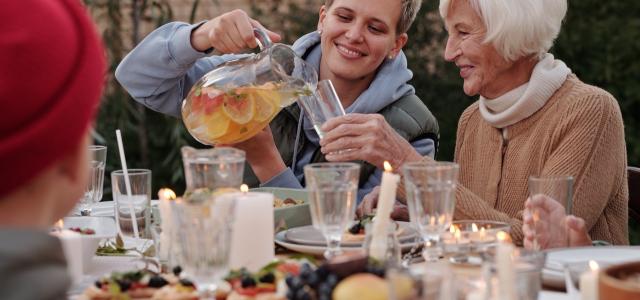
{"x": 160, "y": 71}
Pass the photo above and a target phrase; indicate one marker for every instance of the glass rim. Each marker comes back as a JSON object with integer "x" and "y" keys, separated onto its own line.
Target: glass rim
{"x": 131, "y": 172}
{"x": 332, "y": 165}
{"x": 430, "y": 165}
{"x": 97, "y": 147}
{"x": 213, "y": 155}
{"x": 551, "y": 178}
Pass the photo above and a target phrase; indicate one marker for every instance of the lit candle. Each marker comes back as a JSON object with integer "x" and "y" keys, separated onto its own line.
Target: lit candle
{"x": 505, "y": 268}
{"x": 244, "y": 188}
{"x": 166, "y": 195}
{"x": 386, "y": 198}
{"x": 72, "y": 248}
{"x": 589, "y": 282}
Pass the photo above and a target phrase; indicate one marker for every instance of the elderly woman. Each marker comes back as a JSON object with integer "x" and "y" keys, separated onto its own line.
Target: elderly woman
{"x": 533, "y": 117}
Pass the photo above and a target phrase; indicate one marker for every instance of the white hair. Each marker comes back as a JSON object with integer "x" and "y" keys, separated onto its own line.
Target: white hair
{"x": 518, "y": 28}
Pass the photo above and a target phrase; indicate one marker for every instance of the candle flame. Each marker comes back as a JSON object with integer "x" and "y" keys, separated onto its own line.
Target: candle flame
{"x": 166, "y": 194}
{"x": 59, "y": 224}
{"x": 387, "y": 166}
{"x": 593, "y": 265}
{"x": 482, "y": 232}
{"x": 452, "y": 228}
{"x": 457, "y": 234}
{"x": 244, "y": 188}
{"x": 503, "y": 237}
{"x": 474, "y": 227}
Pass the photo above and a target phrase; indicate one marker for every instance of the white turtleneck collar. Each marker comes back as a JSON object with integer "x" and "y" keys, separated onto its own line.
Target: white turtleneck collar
{"x": 522, "y": 102}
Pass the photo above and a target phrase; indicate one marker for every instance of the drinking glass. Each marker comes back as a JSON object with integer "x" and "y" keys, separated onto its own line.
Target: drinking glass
{"x": 220, "y": 167}
{"x": 138, "y": 203}
{"x": 205, "y": 241}
{"x": 93, "y": 191}
{"x": 430, "y": 189}
{"x": 323, "y": 105}
{"x": 332, "y": 190}
{"x": 550, "y": 230}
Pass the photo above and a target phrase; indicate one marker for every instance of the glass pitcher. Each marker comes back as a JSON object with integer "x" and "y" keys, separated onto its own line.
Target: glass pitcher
{"x": 211, "y": 171}
{"x": 239, "y": 98}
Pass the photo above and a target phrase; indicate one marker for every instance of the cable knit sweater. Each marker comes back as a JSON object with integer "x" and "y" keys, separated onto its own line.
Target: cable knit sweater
{"x": 578, "y": 132}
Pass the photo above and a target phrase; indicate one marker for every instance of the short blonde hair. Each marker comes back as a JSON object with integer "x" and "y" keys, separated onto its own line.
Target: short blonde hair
{"x": 518, "y": 28}
{"x": 408, "y": 13}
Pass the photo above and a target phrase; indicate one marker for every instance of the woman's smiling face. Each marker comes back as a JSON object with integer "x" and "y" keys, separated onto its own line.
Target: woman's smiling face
{"x": 356, "y": 38}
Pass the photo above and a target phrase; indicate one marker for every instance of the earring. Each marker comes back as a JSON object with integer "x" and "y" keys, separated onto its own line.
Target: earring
{"x": 320, "y": 31}
{"x": 390, "y": 56}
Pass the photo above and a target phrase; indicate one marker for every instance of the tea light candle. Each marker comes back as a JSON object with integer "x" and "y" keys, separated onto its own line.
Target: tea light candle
{"x": 386, "y": 198}
{"x": 589, "y": 282}
{"x": 505, "y": 268}
{"x": 166, "y": 196}
{"x": 252, "y": 235}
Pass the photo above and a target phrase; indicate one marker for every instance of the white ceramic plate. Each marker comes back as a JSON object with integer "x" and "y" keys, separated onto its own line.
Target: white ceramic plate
{"x": 308, "y": 235}
{"x": 281, "y": 240}
{"x": 577, "y": 260}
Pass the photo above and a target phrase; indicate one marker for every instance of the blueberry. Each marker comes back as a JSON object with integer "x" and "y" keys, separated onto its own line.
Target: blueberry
{"x": 325, "y": 289}
{"x": 291, "y": 294}
{"x": 313, "y": 279}
{"x": 355, "y": 229}
{"x": 186, "y": 282}
{"x": 247, "y": 281}
{"x": 157, "y": 282}
{"x": 332, "y": 280}
{"x": 124, "y": 284}
{"x": 322, "y": 272}
{"x": 302, "y": 294}
{"x": 268, "y": 278}
{"x": 177, "y": 270}
{"x": 98, "y": 284}
{"x": 294, "y": 282}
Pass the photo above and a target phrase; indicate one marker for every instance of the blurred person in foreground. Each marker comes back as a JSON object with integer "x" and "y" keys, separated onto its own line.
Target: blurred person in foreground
{"x": 534, "y": 117}
{"x": 357, "y": 46}
{"x": 51, "y": 78}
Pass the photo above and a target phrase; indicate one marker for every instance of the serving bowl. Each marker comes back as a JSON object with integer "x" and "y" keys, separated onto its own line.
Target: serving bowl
{"x": 104, "y": 227}
{"x": 289, "y": 216}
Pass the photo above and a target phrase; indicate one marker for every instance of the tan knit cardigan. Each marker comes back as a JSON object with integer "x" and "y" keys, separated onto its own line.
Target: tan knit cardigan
{"x": 578, "y": 132}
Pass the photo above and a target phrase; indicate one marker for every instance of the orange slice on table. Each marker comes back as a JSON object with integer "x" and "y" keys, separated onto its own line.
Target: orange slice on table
{"x": 239, "y": 107}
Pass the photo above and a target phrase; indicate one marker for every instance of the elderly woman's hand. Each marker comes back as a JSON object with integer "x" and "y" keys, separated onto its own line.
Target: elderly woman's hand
{"x": 365, "y": 137}
{"x": 370, "y": 202}
{"x": 545, "y": 221}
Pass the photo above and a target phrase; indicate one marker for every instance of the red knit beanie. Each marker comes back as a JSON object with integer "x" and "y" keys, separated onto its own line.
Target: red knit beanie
{"x": 52, "y": 70}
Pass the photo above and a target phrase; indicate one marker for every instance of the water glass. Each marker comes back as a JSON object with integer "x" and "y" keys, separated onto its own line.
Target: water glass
{"x": 527, "y": 266}
{"x": 333, "y": 188}
{"x": 549, "y": 219}
{"x": 430, "y": 188}
{"x": 93, "y": 190}
{"x": 205, "y": 241}
{"x": 323, "y": 105}
{"x": 220, "y": 167}
{"x": 138, "y": 203}
{"x": 392, "y": 246}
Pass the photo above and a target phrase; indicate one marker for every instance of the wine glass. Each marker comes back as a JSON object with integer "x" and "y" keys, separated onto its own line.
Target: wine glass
{"x": 333, "y": 188}
{"x": 205, "y": 241}
{"x": 430, "y": 188}
{"x": 93, "y": 190}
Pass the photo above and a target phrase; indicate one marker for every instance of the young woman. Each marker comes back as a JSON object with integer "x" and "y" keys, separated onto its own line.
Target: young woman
{"x": 356, "y": 46}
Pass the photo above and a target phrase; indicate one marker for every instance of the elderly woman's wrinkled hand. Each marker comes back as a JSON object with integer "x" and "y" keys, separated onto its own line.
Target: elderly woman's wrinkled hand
{"x": 545, "y": 222}
{"x": 370, "y": 202}
{"x": 365, "y": 137}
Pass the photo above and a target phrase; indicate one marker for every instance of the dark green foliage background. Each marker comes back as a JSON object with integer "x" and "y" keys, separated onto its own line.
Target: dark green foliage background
{"x": 599, "y": 41}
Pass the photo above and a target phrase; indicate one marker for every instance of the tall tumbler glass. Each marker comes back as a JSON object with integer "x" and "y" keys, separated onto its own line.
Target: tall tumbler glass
{"x": 552, "y": 202}
{"x": 220, "y": 167}
{"x": 93, "y": 191}
{"x": 333, "y": 188}
{"x": 323, "y": 105}
{"x": 431, "y": 189}
{"x": 138, "y": 203}
{"x": 206, "y": 229}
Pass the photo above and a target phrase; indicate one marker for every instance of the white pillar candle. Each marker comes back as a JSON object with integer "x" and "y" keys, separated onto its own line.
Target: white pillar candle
{"x": 589, "y": 282}
{"x": 252, "y": 243}
{"x": 72, "y": 247}
{"x": 505, "y": 268}
{"x": 386, "y": 198}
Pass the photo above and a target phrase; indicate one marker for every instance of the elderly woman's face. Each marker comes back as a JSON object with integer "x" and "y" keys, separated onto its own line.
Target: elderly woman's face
{"x": 356, "y": 38}
{"x": 483, "y": 69}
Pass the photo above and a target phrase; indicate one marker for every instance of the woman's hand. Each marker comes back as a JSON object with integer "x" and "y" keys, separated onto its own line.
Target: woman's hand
{"x": 365, "y": 137}
{"x": 370, "y": 202}
{"x": 231, "y": 32}
{"x": 544, "y": 220}
{"x": 262, "y": 155}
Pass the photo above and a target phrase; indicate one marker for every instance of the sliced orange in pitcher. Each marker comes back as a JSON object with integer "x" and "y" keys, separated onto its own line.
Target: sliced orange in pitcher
{"x": 217, "y": 124}
{"x": 239, "y": 107}
{"x": 265, "y": 107}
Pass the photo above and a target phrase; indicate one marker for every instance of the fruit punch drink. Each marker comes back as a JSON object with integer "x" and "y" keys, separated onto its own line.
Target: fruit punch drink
{"x": 215, "y": 115}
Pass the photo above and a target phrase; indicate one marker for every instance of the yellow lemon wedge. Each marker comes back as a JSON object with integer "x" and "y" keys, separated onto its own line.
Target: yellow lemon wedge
{"x": 239, "y": 107}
